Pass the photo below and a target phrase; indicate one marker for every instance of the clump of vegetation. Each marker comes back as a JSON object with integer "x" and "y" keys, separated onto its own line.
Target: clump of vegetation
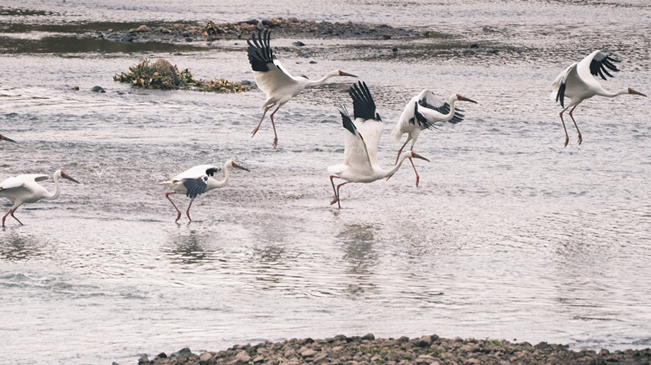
{"x": 162, "y": 75}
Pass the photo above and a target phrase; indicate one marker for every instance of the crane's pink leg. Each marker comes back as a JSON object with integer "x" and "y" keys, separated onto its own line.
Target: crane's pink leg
{"x": 167, "y": 195}
{"x": 577, "y": 127}
{"x": 336, "y": 199}
{"x": 567, "y": 138}
{"x": 399, "y": 152}
{"x": 271, "y": 116}
{"x": 10, "y": 212}
{"x": 261, "y": 119}
{"x": 188, "y": 211}
{"x": 417, "y": 177}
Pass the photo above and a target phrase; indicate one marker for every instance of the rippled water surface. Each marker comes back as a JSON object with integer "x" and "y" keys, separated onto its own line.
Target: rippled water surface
{"x": 509, "y": 235}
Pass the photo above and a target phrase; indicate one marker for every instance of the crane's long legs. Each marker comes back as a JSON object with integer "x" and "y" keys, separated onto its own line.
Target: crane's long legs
{"x": 187, "y": 212}
{"x": 567, "y": 138}
{"x": 417, "y": 177}
{"x": 577, "y": 127}
{"x": 271, "y": 116}
{"x": 167, "y": 195}
{"x": 397, "y": 158}
{"x": 261, "y": 119}
{"x": 399, "y": 152}
{"x": 336, "y": 190}
{"x": 11, "y": 212}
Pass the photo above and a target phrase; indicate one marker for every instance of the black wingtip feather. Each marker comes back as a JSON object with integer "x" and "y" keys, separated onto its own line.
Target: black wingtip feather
{"x": 560, "y": 96}
{"x": 363, "y": 104}
{"x": 259, "y": 51}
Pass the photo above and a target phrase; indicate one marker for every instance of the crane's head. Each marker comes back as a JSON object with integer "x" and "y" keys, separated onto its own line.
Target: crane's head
{"x": 631, "y": 91}
{"x": 235, "y": 165}
{"x": 66, "y": 176}
{"x": 6, "y": 139}
{"x": 341, "y": 73}
{"x": 463, "y": 98}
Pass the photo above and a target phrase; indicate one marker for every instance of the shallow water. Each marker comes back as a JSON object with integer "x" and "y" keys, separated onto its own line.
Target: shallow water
{"x": 509, "y": 235}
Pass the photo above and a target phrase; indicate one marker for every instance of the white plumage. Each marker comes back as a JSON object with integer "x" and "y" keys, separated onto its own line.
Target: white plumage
{"x": 25, "y": 189}
{"x": 360, "y": 152}
{"x": 577, "y": 82}
{"x": 196, "y": 181}
{"x": 422, "y": 112}
{"x": 274, "y": 80}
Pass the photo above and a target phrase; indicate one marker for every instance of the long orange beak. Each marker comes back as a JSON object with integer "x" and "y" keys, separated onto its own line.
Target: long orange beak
{"x": 239, "y": 167}
{"x": 415, "y": 155}
{"x": 341, "y": 73}
{"x": 6, "y": 138}
{"x": 465, "y": 99}
{"x": 631, "y": 91}
{"x": 66, "y": 176}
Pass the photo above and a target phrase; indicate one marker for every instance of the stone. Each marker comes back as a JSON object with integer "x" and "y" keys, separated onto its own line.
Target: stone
{"x": 143, "y": 28}
{"x": 258, "y": 359}
{"x": 143, "y": 359}
{"x": 298, "y": 44}
{"x": 98, "y": 89}
{"x": 76, "y": 88}
{"x": 425, "y": 359}
{"x": 308, "y": 353}
{"x": 207, "y": 359}
{"x": 242, "y": 355}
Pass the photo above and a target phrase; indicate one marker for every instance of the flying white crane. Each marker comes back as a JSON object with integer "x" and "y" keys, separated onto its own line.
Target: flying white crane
{"x": 6, "y": 139}
{"x": 422, "y": 112}
{"x": 361, "y": 144}
{"x": 272, "y": 78}
{"x": 197, "y": 181}
{"x": 25, "y": 189}
{"x": 577, "y": 83}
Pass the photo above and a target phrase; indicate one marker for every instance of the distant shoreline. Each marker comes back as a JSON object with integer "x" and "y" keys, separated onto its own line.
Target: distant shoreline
{"x": 428, "y": 349}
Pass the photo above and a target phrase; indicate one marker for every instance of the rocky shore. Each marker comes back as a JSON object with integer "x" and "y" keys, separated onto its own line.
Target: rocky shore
{"x": 429, "y": 349}
{"x": 187, "y": 33}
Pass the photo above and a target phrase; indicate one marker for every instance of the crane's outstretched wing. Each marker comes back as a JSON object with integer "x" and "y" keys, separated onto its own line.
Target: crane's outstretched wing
{"x": 197, "y": 171}
{"x": 11, "y": 183}
{"x": 559, "y": 85}
{"x": 435, "y": 103}
{"x": 599, "y": 64}
{"x": 195, "y": 186}
{"x": 269, "y": 74}
{"x": 355, "y": 152}
{"x": 363, "y": 104}
{"x": 367, "y": 120}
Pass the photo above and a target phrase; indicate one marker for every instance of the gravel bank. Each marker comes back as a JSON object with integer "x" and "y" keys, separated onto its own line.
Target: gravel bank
{"x": 424, "y": 350}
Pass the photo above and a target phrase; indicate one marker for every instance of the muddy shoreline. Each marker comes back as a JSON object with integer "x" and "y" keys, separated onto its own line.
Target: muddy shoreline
{"x": 428, "y": 349}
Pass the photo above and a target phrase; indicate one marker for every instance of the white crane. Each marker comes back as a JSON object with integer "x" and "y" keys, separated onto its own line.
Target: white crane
{"x": 422, "y": 112}
{"x": 197, "y": 181}
{"x": 25, "y": 189}
{"x": 6, "y": 139}
{"x": 272, "y": 78}
{"x": 577, "y": 83}
{"x": 361, "y": 143}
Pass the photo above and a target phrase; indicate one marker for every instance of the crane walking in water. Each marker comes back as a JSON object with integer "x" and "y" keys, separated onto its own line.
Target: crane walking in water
{"x": 197, "y": 181}
{"x": 361, "y": 144}
{"x": 422, "y": 112}
{"x": 25, "y": 189}
{"x": 577, "y": 83}
{"x": 274, "y": 80}
{"x": 6, "y": 139}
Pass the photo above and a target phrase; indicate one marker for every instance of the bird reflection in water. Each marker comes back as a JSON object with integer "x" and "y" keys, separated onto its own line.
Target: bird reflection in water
{"x": 191, "y": 249}
{"x": 358, "y": 241}
{"x": 15, "y": 247}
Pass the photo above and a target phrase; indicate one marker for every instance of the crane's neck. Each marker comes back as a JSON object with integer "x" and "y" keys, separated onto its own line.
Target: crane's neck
{"x": 450, "y": 114}
{"x": 214, "y": 184}
{"x": 57, "y": 190}
{"x": 384, "y": 173}
{"x": 323, "y": 79}
{"x": 609, "y": 94}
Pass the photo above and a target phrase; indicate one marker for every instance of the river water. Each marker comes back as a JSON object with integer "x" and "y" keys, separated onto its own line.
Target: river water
{"x": 509, "y": 235}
